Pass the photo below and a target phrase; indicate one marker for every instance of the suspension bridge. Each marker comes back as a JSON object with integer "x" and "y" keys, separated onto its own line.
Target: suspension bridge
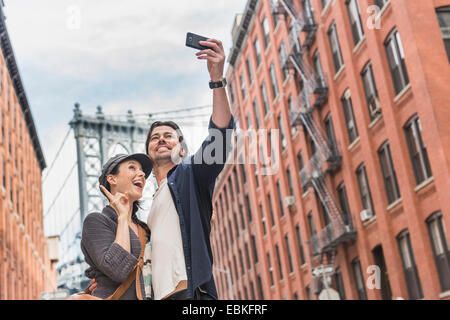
{"x": 70, "y": 184}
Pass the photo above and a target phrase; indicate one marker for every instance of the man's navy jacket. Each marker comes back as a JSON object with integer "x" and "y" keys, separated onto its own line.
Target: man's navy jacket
{"x": 192, "y": 185}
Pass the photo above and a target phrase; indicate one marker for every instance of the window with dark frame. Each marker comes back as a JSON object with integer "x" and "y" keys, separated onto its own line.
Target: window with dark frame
{"x": 273, "y": 79}
{"x": 256, "y": 112}
{"x": 260, "y": 287}
{"x": 371, "y": 91}
{"x": 355, "y": 20}
{"x": 243, "y": 86}
{"x": 265, "y": 27}
{"x": 313, "y": 232}
{"x": 282, "y": 54}
{"x": 247, "y": 257}
{"x": 249, "y": 70}
{"x": 331, "y": 136}
{"x": 396, "y": 59}
{"x": 265, "y": 99}
{"x": 443, "y": 15}
{"x": 300, "y": 244}
{"x": 409, "y": 266}
{"x": 335, "y": 47}
{"x": 339, "y": 283}
{"x": 280, "y": 269}
{"x": 389, "y": 175}
{"x": 280, "y": 198}
{"x": 364, "y": 188}
{"x": 263, "y": 219}
{"x": 288, "y": 249}
{"x": 269, "y": 264}
{"x": 441, "y": 252}
{"x": 359, "y": 279}
{"x": 417, "y": 150}
{"x": 254, "y": 250}
{"x": 343, "y": 202}
{"x": 289, "y": 178}
{"x": 257, "y": 52}
{"x": 290, "y": 102}
{"x": 282, "y": 134}
{"x": 350, "y": 121}
{"x": 269, "y": 200}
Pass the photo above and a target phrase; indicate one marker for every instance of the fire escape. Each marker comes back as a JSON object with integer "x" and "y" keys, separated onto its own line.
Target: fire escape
{"x": 322, "y": 245}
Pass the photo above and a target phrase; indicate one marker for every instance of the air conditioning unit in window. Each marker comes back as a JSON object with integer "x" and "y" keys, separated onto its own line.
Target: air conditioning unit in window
{"x": 374, "y": 106}
{"x": 289, "y": 201}
{"x": 366, "y": 215}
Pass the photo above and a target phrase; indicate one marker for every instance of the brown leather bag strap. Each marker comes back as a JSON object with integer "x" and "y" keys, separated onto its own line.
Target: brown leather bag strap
{"x": 135, "y": 274}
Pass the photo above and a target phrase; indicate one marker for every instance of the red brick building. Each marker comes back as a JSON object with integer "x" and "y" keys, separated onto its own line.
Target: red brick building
{"x": 25, "y": 268}
{"x": 359, "y": 93}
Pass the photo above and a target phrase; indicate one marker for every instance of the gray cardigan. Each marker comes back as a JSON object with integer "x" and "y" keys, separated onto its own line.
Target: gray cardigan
{"x": 109, "y": 263}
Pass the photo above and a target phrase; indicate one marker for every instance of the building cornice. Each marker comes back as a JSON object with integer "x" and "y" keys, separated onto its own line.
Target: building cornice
{"x": 11, "y": 64}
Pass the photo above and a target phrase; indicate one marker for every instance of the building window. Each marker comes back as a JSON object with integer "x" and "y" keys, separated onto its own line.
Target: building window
{"x": 359, "y": 280}
{"x": 254, "y": 250}
{"x": 283, "y": 55}
{"x": 269, "y": 263}
{"x": 364, "y": 189}
{"x": 279, "y": 262}
{"x": 300, "y": 168}
{"x": 249, "y": 70}
{"x": 439, "y": 242}
{"x": 339, "y": 284}
{"x": 273, "y": 79}
{"x": 350, "y": 121}
{"x": 355, "y": 20}
{"x": 241, "y": 262}
{"x": 288, "y": 248}
{"x": 243, "y": 86}
{"x": 292, "y": 114}
{"x": 318, "y": 70}
{"x": 257, "y": 52}
{"x": 417, "y": 150}
{"x": 381, "y": 3}
{"x": 335, "y": 47}
{"x": 324, "y": 3}
{"x": 231, "y": 92}
{"x": 343, "y": 202}
{"x": 300, "y": 244}
{"x": 389, "y": 176}
{"x": 280, "y": 198}
{"x": 247, "y": 256}
{"x": 443, "y": 15}
{"x": 371, "y": 92}
{"x": 271, "y": 210}
{"x": 249, "y": 212}
{"x": 307, "y": 289}
{"x": 332, "y": 144}
{"x": 265, "y": 100}
{"x": 265, "y": 27}
{"x": 312, "y": 230}
{"x": 282, "y": 134}
{"x": 255, "y": 110}
{"x": 396, "y": 58}
{"x": 409, "y": 266}
{"x": 260, "y": 288}
{"x": 289, "y": 178}
{"x": 263, "y": 219}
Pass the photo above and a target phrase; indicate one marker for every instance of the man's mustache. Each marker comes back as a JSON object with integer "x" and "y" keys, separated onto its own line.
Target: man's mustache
{"x": 163, "y": 145}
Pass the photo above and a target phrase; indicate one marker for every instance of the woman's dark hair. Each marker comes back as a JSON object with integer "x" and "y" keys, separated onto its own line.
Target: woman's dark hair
{"x": 171, "y": 124}
{"x": 136, "y": 206}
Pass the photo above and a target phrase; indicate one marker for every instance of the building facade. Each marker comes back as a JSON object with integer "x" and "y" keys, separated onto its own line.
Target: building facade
{"x": 25, "y": 267}
{"x": 357, "y": 93}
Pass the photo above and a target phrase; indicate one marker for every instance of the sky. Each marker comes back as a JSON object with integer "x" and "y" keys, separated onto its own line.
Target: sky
{"x": 118, "y": 54}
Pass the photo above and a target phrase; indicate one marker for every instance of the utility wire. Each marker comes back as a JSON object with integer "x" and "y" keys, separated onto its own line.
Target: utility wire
{"x": 59, "y": 191}
{"x": 56, "y": 156}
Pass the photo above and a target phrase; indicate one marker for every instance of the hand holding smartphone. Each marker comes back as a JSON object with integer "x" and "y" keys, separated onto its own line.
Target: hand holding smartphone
{"x": 192, "y": 41}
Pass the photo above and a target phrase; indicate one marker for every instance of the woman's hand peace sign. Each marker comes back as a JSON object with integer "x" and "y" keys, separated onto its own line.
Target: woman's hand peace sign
{"x": 119, "y": 201}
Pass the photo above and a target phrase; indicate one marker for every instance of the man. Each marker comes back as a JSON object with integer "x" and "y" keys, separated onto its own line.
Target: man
{"x": 181, "y": 211}
{"x": 180, "y": 217}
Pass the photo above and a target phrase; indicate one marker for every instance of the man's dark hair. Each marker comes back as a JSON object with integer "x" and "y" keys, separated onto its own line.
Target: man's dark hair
{"x": 171, "y": 124}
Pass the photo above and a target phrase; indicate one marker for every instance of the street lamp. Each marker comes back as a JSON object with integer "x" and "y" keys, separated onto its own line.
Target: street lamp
{"x": 228, "y": 273}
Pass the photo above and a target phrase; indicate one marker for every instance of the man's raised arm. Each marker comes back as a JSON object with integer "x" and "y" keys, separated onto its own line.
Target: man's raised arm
{"x": 215, "y": 56}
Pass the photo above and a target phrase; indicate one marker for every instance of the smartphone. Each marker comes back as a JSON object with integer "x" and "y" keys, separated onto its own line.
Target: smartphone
{"x": 192, "y": 40}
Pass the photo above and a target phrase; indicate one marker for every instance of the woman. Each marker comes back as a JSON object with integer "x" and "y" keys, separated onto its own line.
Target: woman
{"x": 110, "y": 241}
